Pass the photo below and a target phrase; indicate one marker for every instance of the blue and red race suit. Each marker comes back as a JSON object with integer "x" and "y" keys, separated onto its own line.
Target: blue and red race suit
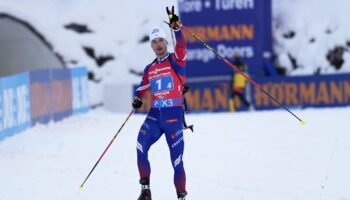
{"x": 162, "y": 77}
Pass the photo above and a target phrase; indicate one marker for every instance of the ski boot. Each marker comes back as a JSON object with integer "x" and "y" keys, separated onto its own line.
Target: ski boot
{"x": 181, "y": 195}
{"x": 145, "y": 190}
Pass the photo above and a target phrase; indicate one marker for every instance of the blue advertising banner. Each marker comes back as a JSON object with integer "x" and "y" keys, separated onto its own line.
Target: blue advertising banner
{"x": 242, "y": 26}
{"x": 80, "y": 90}
{"x": 16, "y": 110}
{"x": 293, "y": 92}
{"x": 306, "y": 91}
{"x": 208, "y": 96}
{"x": 41, "y": 102}
{"x": 61, "y": 86}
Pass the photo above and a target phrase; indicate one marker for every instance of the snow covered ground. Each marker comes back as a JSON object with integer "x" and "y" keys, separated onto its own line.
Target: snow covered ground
{"x": 250, "y": 156}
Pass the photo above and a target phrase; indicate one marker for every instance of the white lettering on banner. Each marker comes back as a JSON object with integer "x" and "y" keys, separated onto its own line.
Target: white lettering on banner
{"x": 228, "y": 52}
{"x": 205, "y": 55}
{"x": 207, "y": 4}
{"x": 80, "y": 99}
{"x": 84, "y": 91}
{"x": 234, "y": 4}
{"x": 23, "y": 115}
{"x": 9, "y": 108}
{"x": 75, "y": 87}
{"x": 187, "y": 6}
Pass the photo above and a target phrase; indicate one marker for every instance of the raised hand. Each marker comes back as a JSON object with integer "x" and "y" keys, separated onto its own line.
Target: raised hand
{"x": 174, "y": 21}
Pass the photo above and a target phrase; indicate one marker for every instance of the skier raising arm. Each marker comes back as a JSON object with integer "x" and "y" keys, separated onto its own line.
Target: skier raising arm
{"x": 165, "y": 78}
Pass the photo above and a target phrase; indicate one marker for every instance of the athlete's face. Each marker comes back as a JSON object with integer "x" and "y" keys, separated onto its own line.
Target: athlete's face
{"x": 159, "y": 46}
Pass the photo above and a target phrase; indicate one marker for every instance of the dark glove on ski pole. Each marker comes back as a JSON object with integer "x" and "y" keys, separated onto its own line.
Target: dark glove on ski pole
{"x": 137, "y": 103}
{"x": 174, "y": 21}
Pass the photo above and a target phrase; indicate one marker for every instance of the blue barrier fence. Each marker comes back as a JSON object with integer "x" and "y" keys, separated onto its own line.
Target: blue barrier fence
{"x": 40, "y": 96}
{"x": 15, "y": 104}
{"x": 41, "y": 100}
{"x": 80, "y": 97}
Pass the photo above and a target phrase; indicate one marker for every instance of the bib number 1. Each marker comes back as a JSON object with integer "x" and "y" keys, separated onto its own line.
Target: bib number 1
{"x": 163, "y": 83}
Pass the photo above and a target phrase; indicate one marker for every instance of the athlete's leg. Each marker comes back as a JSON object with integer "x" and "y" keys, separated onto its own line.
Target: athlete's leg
{"x": 148, "y": 135}
{"x": 243, "y": 99}
{"x": 173, "y": 125}
{"x": 232, "y": 101}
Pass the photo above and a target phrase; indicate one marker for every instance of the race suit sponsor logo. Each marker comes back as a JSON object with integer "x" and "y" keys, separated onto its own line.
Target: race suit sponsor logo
{"x": 178, "y": 160}
{"x": 175, "y": 135}
{"x": 167, "y": 103}
{"x": 177, "y": 142}
{"x": 139, "y": 147}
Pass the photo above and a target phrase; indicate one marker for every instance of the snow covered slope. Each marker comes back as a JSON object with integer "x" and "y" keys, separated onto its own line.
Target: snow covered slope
{"x": 116, "y": 30}
{"x": 303, "y": 29}
{"x": 308, "y": 31}
{"x": 250, "y": 156}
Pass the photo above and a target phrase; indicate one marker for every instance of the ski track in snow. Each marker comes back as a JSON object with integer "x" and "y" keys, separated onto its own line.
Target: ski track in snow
{"x": 250, "y": 156}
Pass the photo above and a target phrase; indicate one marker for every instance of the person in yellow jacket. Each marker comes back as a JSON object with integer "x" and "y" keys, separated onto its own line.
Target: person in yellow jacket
{"x": 239, "y": 83}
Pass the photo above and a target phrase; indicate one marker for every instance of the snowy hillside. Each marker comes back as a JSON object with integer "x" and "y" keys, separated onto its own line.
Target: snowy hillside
{"x": 314, "y": 34}
{"x": 104, "y": 36}
{"x": 114, "y": 30}
{"x": 250, "y": 156}
{"x": 304, "y": 30}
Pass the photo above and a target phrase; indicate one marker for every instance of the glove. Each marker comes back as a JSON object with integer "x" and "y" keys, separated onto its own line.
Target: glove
{"x": 137, "y": 103}
{"x": 174, "y": 21}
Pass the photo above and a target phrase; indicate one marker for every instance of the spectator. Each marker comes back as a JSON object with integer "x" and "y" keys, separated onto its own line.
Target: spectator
{"x": 239, "y": 83}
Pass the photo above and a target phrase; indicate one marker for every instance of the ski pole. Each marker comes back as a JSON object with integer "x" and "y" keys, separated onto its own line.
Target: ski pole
{"x": 110, "y": 143}
{"x": 238, "y": 71}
